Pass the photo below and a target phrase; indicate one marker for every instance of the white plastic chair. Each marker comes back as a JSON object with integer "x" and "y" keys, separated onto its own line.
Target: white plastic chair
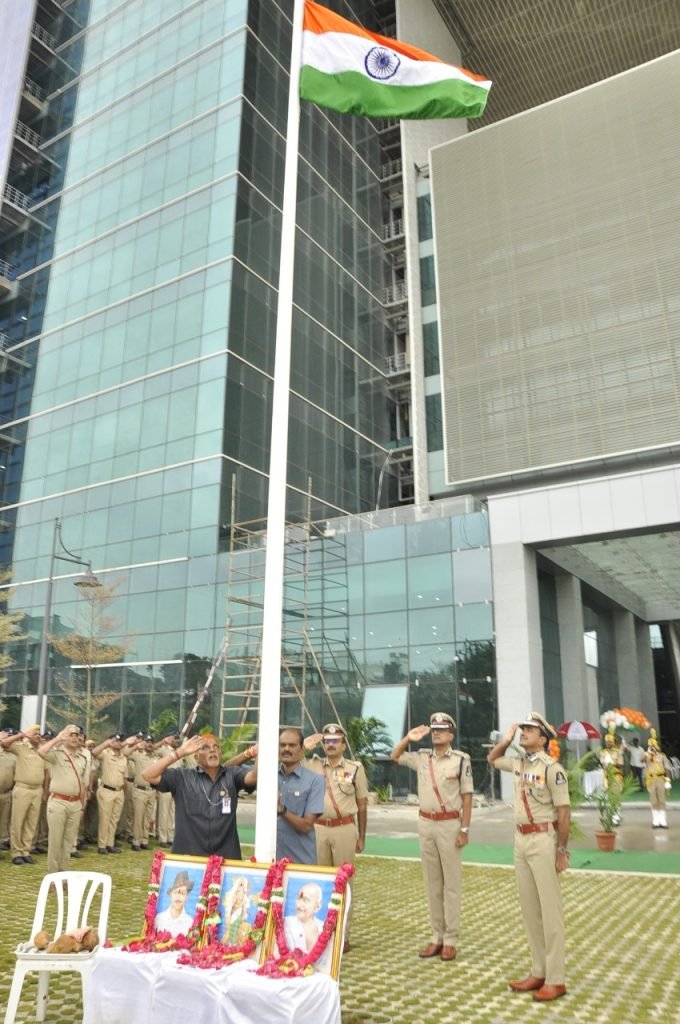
{"x": 675, "y": 768}
{"x": 74, "y": 893}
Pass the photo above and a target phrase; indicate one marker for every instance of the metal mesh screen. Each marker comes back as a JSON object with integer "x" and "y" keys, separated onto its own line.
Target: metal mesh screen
{"x": 559, "y": 279}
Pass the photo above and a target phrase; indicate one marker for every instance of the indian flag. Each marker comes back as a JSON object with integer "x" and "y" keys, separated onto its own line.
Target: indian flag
{"x": 353, "y": 71}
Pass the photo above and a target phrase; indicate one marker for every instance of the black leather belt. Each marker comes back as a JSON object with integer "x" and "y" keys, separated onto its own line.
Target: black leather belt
{"x": 113, "y": 788}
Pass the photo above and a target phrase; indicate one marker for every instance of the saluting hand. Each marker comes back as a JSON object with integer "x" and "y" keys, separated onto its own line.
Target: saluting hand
{"x": 510, "y": 734}
{"x": 418, "y": 733}
{"x": 190, "y": 747}
{"x": 312, "y": 741}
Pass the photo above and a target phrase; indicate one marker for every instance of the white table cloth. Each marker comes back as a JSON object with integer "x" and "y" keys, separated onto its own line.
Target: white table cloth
{"x": 150, "y": 988}
{"x": 592, "y": 781}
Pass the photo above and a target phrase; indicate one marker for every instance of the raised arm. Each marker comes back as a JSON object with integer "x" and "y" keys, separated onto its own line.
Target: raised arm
{"x": 154, "y": 773}
{"x": 419, "y": 732}
{"x": 503, "y": 744}
{"x": 48, "y": 745}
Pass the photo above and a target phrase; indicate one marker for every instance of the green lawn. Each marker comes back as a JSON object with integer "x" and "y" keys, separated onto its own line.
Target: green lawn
{"x": 623, "y": 946}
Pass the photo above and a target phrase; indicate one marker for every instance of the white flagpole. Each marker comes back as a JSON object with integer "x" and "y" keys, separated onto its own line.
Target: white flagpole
{"x": 270, "y": 681}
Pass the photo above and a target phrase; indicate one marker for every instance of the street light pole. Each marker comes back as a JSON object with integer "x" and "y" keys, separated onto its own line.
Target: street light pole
{"x": 88, "y": 579}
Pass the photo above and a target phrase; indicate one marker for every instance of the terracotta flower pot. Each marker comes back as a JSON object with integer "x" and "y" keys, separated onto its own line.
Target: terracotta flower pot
{"x": 606, "y": 841}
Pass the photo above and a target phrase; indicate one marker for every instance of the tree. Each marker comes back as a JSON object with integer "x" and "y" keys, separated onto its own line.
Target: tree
{"x": 9, "y": 627}
{"x": 368, "y": 740}
{"x": 86, "y": 647}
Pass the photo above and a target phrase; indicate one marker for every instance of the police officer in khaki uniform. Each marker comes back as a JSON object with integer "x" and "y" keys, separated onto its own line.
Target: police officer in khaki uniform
{"x": 143, "y": 796}
{"x": 165, "y": 820}
{"x": 112, "y": 755}
{"x": 445, "y": 796}
{"x": 542, "y": 814}
{"x": 341, "y": 831}
{"x": 29, "y": 778}
{"x": 68, "y": 769}
{"x": 657, "y": 779}
{"x": 7, "y": 767}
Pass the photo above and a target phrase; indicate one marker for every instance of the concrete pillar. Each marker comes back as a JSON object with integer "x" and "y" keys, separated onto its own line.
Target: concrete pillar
{"x": 519, "y": 658}
{"x": 579, "y": 696}
{"x": 645, "y": 667}
{"x": 627, "y": 670}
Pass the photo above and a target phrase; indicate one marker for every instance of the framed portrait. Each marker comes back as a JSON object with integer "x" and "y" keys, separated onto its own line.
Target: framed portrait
{"x": 179, "y": 887}
{"x": 307, "y": 890}
{"x": 242, "y": 883}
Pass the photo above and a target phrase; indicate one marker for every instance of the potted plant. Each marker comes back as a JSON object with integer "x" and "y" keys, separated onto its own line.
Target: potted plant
{"x": 608, "y": 801}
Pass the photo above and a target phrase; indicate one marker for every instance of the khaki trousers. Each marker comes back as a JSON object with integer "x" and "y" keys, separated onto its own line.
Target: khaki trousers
{"x": 166, "y": 817}
{"x": 110, "y": 803}
{"x": 441, "y": 860}
{"x": 143, "y": 807}
{"x": 5, "y": 814}
{"x": 26, "y": 803}
{"x": 541, "y": 903}
{"x": 657, "y": 793}
{"x": 335, "y": 846}
{"x": 63, "y": 817}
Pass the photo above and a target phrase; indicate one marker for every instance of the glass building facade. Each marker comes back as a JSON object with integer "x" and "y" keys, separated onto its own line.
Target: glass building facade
{"x": 136, "y": 396}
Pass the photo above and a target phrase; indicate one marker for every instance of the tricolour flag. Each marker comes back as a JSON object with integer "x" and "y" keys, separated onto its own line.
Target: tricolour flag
{"x": 353, "y": 71}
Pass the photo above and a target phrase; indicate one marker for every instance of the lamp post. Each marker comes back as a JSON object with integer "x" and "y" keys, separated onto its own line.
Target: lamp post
{"x": 88, "y": 579}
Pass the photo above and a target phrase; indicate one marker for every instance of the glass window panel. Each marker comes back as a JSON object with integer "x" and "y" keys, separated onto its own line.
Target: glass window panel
{"x": 429, "y": 581}
{"x": 386, "y": 630}
{"x": 472, "y": 575}
{"x": 385, "y": 586}
{"x": 474, "y": 622}
{"x": 470, "y": 531}
{"x": 380, "y": 545}
{"x": 430, "y": 626}
{"x": 429, "y": 537}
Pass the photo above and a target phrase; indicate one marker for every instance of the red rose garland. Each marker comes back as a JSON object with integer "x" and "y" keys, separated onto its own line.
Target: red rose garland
{"x": 297, "y": 963}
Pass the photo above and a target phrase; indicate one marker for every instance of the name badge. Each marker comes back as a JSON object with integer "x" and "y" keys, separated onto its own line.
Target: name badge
{"x": 226, "y": 805}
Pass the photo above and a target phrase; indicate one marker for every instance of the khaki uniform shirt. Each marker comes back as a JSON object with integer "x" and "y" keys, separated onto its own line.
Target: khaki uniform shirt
{"x": 67, "y": 772}
{"x": 30, "y": 767}
{"x": 114, "y": 768}
{"x": 138, "y": 762}
{"x": 347, "y": 783}
{"x": 544, "y": 783}
{"x": 613, "y": 756}
{"x": 7, "y": 768}
{"x": 656, "y": 766}
{"x": 452, "y": 774}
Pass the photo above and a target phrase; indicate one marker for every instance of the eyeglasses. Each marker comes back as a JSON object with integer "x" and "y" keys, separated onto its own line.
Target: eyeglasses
{"x": 332, "y": 739}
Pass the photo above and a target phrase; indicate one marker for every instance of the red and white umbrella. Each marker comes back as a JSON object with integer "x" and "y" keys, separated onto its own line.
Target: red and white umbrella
{"x": 578, "y": 731}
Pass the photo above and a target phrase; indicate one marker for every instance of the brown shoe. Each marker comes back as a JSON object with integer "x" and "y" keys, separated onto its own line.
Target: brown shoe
{"x": 549, "y": 992}
{"x": 434, "y": 949}
{"x": 529, "y": 984}
{"x": 448, "y": 953}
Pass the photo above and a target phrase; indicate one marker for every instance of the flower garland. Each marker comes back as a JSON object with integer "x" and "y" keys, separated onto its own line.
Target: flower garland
{"x": 624, "y": 718}
{"x": 296, "y": 963}
{"x": 215, "y": 955}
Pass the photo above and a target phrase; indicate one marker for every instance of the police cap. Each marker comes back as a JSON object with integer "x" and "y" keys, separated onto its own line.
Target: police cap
{"x": 440, "y": 720}
{"x": 535, "y": 719}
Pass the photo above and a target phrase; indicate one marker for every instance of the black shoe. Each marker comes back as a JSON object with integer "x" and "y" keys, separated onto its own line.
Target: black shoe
{"x": 166, "y": 846}
{"x": 128, "y": 839}
{"x": 144, "y": 846}
{"x": 76, "y": 854}
{"x": 135, "y": 848}
{"x": 17, "y": 860}
{"x": 102, "y": 849}
{"x": 38, "y": 849}
{"x": 4, "y": 846}
{"x": 113, "y": 849}
{"x": 29, "y": 860}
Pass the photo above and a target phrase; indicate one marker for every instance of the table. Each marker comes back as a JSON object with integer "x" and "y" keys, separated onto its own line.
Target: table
{"x": 151, "y": 988}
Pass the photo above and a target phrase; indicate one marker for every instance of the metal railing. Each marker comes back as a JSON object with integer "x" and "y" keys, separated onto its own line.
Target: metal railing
{"x": 4, "y": 342}
{"x": 16, "y": 198}
{"x": 396, "y": 293}
{"x": 5, "y": 269}
{"x": 34, "y": 90}
{"x": 393, "y": 229}
{"x": 39, "y": 32}
{"x": 397, "y": 363}
{"x": 389, "y": 169}
{"x": 385, "y": 124}
{"x": 22, "y": 131}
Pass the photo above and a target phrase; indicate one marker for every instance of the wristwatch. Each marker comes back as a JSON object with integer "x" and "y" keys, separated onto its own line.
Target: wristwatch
{"x": 465, "y": 829}
{"x": 562, "y": 849}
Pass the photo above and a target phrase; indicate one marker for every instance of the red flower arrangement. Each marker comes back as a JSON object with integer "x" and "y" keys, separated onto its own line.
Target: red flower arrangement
{"x": 296, "y": 963}
{"x": 215, "y": 955}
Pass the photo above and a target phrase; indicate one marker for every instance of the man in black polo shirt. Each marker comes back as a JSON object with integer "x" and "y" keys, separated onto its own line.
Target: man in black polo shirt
{"x": 205, "y": 797}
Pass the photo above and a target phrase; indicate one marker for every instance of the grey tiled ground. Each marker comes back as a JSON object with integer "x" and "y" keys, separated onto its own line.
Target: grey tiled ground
{"x": 623, "y": 947}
